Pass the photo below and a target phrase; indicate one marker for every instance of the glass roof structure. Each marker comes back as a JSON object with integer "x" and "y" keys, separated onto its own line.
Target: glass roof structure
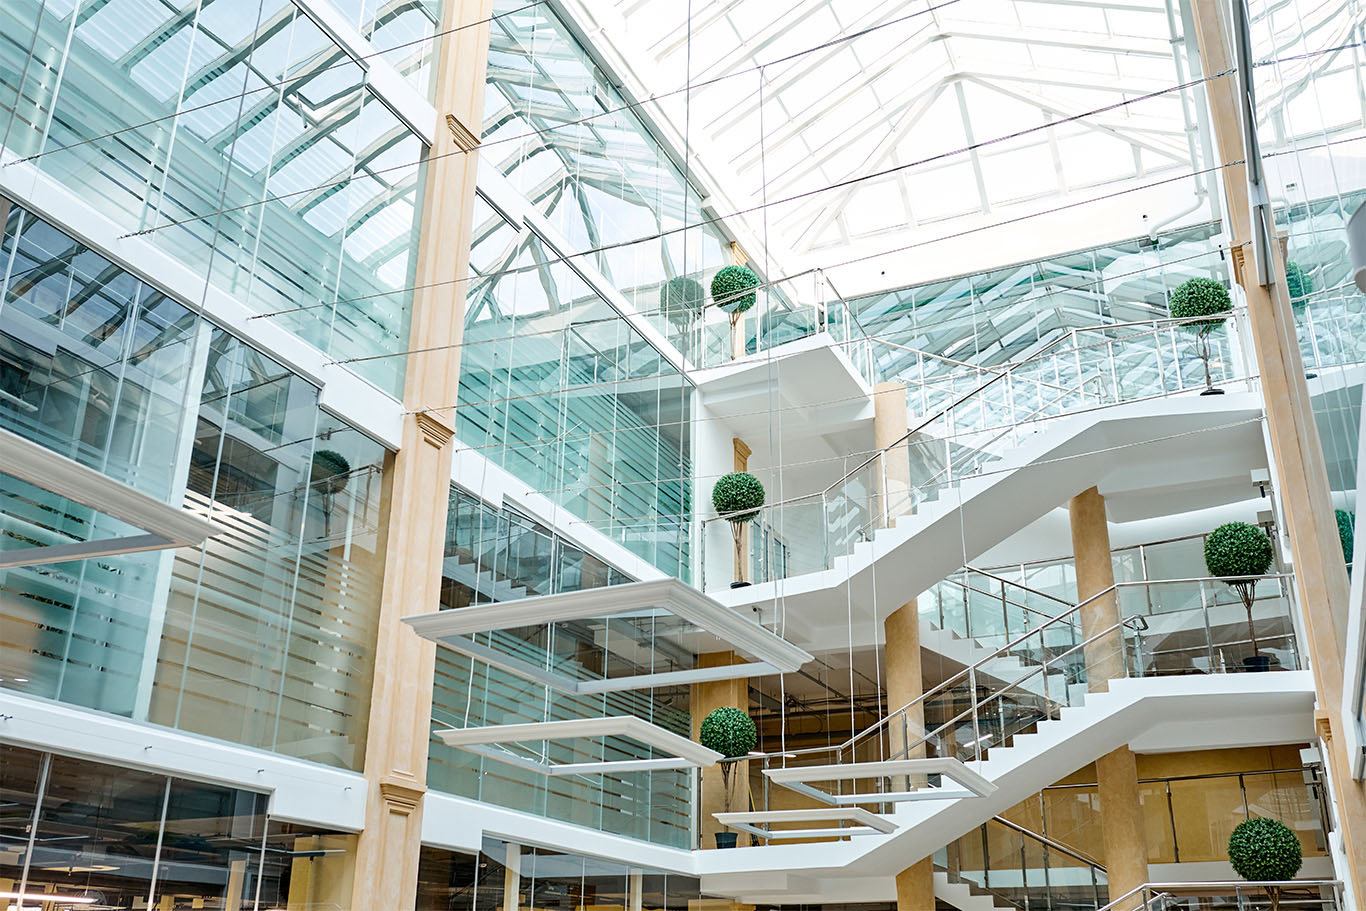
{"x": 889, "y": 109}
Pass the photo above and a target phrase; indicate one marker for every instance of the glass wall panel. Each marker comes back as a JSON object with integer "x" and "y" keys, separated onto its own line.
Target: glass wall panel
{"x": 21, "y": 774}
{"x": 264, "y": 634}
{"x": 498, "y": 555}
{"x": 297, "y": 572}
{"x": 93, "y": 363}
{"x": 241, "y": 141}
{"x": 113, "y": 837}
{"x": 559, "y": 390}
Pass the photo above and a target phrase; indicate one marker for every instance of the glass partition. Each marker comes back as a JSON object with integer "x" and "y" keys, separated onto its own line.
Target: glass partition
{"x": 239, "y": 139}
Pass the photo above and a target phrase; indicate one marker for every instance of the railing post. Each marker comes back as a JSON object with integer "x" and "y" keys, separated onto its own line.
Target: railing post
{"x": 976, "y": 723}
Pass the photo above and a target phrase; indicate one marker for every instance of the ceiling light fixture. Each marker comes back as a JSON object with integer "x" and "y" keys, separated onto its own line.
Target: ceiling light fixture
{"x": 49, "y": 897}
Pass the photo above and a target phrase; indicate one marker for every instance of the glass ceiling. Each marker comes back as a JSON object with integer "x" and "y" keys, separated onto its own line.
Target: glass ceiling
{"x": 897, "y": 92}
{"x": 923, "y": 84}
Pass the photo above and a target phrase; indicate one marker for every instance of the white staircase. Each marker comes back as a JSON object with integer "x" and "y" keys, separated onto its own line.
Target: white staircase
{"x": 1213, "y": 712}
{"x": 962, "y": 896}
{"x": 1119, "y": 449}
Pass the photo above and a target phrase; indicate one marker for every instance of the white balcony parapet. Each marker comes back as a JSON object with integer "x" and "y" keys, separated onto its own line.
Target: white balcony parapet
{"x": 165, "y": 526}
{"x": 716, "y": 628}
{"x": 865, "y": 823}
{"x": 970, "y": 784}
{"x": 685, "y": 754}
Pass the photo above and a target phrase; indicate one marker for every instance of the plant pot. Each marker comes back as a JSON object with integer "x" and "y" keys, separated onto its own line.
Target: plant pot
{"x": 1257, "y": 663}
{"x": 1213, "y": 391}
{"x": 738, "y": 584}
{"x": 726, "y": 839}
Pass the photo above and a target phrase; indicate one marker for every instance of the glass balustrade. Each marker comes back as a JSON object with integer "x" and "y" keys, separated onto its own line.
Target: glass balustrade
{"x": 978, "y": 418}
{"x": 1020, "y": 868}
{"x": 1034, "y": 674}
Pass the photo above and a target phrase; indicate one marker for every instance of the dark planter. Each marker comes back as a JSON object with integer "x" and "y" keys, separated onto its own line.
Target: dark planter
{"x": 738, "y": 584}
{"x": 726, "y": 839}
{"x": 1213, "y": 391}
{"x": 1257, "y": 663}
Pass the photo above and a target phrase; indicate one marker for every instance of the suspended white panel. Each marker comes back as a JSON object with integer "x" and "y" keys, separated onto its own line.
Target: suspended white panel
{"x": 655, "y": 611}
{"x": 162, "y": 525}
{"x": 864, "y": 823}
{"x": 910, "y": 779}
{"x": 491, "y": 741}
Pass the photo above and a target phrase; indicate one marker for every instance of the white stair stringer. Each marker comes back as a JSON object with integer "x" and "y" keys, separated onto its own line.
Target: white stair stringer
{"x": 1213, "y": 712}
{"x": 1124, "y": 447}
{"x": 961, "y": 896}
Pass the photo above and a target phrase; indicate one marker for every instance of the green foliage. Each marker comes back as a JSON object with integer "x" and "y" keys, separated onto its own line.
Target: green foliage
{"x": 1264, "y": 850}
{"x": 728, "y": 731}
{"x": 1238, "y": 549}
{"x": 1299, "y": 284}
{"x": 739, "y": 493}
{"x": 681, "y": 300}
{"x": 728, "y": 289}
{"x": 328, "y": 472}
{"x": 1347, "y": 522}
{"x": 1200, "y": 297}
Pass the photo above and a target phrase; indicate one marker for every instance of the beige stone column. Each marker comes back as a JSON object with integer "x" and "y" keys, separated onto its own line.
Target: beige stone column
{"x": 905, "y": 683}
{"x": 418, "y": 477}
{"x": 742, "y": 556}
{"x": 1320, "y": 576}
{"x": 704, "y": 698}
{"x": 1121, "y": 816}
{"x": 915, "y": 887}
{"x": 894, "y": 467}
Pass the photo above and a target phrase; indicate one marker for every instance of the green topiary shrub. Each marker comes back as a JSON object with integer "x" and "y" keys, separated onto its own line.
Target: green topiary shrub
{"x": 1299, "y": 284}
{"x": 328, "y": 472}
{"x": 1239, "y": 549}
{"x": 681, "y": 300}
{"x": 738, "y": 497}
{"x": 1197, "y": 297}
{"x": 1347, "y": 522}
{"x": 730, "y": 732}
{"x": 1201, "y": 297}
{"x": 1264, "y": 850}
{"x": 732, "y": 289}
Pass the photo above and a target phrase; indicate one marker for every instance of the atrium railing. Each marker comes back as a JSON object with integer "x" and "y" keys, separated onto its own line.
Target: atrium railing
{"x": 972, "y": 431}
{"x": 1292, "y": 895}
{"x": 1023, "y": 868}
{"x": 1030, "y": 679}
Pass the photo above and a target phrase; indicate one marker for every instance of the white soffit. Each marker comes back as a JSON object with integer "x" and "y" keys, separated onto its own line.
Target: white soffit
{"x": 166, "y": 526}
{"x": 724, "y": 627}
{"x": 684, "y": 753}
{"x": 864, "y": 823}
{"x": 969, "y": 783}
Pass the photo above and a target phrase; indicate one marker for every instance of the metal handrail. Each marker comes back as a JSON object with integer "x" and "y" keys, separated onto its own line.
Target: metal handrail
{"x": 1170, "y": 890}
{"x": 1033, "y": 591}
{"x": 971, "y": 669}
{"x": 1057, "y": 846}
{"x": 948, "y": 468}
{"x": 1155, "y": 327}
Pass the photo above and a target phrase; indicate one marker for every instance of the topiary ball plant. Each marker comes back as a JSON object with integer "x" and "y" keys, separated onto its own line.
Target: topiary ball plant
{"x": 730, "y": 732}
{"x": 1299, "y": 284}
{"x": 1347, "y": 522}
{"x": 1201, "y": 297}
{"x": 1265, "y": 850}
{"x": 732, "y": 289}
{"x": 738, "y": 497}
{"x": 681, "y": 300}
{"x": 328, "y": 472}
{"x": 1237, "y": 549}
